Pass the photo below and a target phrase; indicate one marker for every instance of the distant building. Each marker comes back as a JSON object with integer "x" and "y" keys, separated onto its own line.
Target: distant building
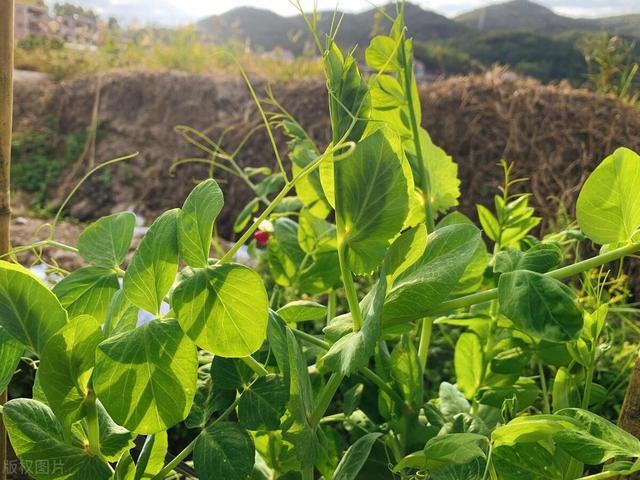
{"x": 31, "y": 19}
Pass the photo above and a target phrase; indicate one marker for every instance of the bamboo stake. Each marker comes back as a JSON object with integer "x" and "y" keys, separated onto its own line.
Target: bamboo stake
{"x": 7, "y": 13}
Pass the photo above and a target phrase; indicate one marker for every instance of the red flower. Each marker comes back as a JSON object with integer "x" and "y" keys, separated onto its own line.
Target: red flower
{"x": 262, "y": 238}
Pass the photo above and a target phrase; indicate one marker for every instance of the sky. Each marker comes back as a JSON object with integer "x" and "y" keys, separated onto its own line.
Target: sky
{"x": 176, "y": 12}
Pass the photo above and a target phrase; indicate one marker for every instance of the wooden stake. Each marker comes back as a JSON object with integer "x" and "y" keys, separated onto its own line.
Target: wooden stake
{"x": 7, "y": 13}
{"x": 630, "y": 413}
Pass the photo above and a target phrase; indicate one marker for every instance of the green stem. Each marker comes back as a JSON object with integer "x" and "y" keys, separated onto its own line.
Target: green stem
{"x": 424, "y": 173}
{"x": 324, "y": 400}
{"x": 559, "y": 274}
{"x": 283, "y": 193}
{"x": 93, "y": 425}
{"x": 256, "y": 366}
{"x": 307, "y": 473}
{"x": 546, "y": 407}
{"x": 350, "y": 290}
{"x": 307, "y": 337}
{"x": 186, "y": 451}
{"x": 331, "y": 305}
{"x": 425, "y": 341}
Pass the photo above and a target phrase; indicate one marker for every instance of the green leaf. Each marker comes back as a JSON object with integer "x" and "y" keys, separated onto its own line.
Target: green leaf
{"x": 302, "y": 311}
{"x": 348, "y": 99}
{"x": 382, "y": 54}
{"x": 284, "y": 252}
{"x": 308, "y": 188}
{"x": 315, "y": 235}
{"x": 114, "y": 439}
{"x": 452, "y": 401}
{"x": 353, "y": 351}
{"x": 105, "y": 243}
{"x": 489, "y": 223}
{"x": 88, "y": 291}
{"x": 230, "y": 373}
{"x": 407, "y": 372}
{"x": 262, "y": 405}
{"x": 595, "y": 440}
{"x": 37, "y": 437}
{"x": 453, "y": 449}
{"x": 10, "y": 353}
{"x": 125, "y": 468}
{"x": 565, "y": 393}
{"x": 195, "y": 222}
{"x": 372, "y": 199}
{"x": 209, "y": 398}
{"x": 245, "y": 215}
{"x": 430, "y": 280}
{"x": 146, "y": 378}
{"x": 468, "y": 362}
{"x": 355, "y": 457}
{"x": 540, "y": 306}
{"x": 67, "y": 364}
{"x": 530, "y": 429}
{"x": 122, "y": 315}
{"x": 443, "y": 174}
{"x": 404, "y": 252}
{"x": 297, "y": 430}
{"x": 224, "y": 450}
{"x": 223, "y": 309}
{"x": 530, "y": 461}
{"x": 154, "y": 266}
{"x": 29, "y": 311}
{"x": 152, "y": 456}
{"x": 608, "y": 207}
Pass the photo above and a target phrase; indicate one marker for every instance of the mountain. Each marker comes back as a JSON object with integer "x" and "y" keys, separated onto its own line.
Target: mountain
{"x": 518, "y": 15}
{"x": 265, "y": 30}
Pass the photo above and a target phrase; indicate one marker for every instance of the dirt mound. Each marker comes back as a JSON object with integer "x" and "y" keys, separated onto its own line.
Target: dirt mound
{"x": 555, "y": 134}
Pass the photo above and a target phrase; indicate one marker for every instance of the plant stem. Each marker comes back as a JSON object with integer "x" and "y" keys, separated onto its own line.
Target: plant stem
{"x": 256, "y": 366}
{"x": 425, "y": 341}
{"x": 186, "y": 451}
{"x": 546, "y": 407}
{"x": 559, "y": 274}
{"x": 93, "y": 426}
{"x": 7, "y": 12}
{"x": 324, "y": 400}
{"x": 331, "y": 305}
{"x": 350, "y": 290}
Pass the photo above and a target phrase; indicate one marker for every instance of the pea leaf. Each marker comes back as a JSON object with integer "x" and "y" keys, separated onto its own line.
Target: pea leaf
{"x": 355, "y": 457}
{"x": 382, "y": 54}
{"x": 224, "y": 450}
{"x": 146, "y": 378}
{"x": 10, "y": 353}
{"x": 223, "y": 309}
{"x": 230, "y": 373}
{"x": 404, "y": 252}
{"x": 608, "y": 207}
{"x": 210, "y": 398}
{"x": 195, "y": 222}
{"x": 468, "y": 362}
{"x": 595, "y": 440}
{"x": 443, "y": 174}
{"x": 407, "y": 372}
{"x": 297, "y": 430}
{"x": 262, "y": 405}
{"x": 430, "y": 280}
{"x": 88, "y": 291}
{"x": 154, "y": 266}
{"x": 527, "y": 460}
{"x": 540, "y": 306}
{"x": 67, "y": 364}
{"x": 302, "y": 311}
{"x": 37, "y": 438}
{"x": 372, "y": 199}
{"x": 453, "y": 449}
{"x": 29, "y": 311}
{"x": 152, "y": 456}
{"x": 284, "y": 252}
{"x": 114, "y": 439}
{"x": 105, "y": 243}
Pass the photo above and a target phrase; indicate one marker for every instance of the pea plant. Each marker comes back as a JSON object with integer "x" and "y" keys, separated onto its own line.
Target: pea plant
{"x": 332, "y": 384}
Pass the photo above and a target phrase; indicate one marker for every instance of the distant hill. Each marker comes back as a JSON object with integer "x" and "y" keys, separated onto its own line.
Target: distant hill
{"x": 526, "y": 15}
{"x": 265, "y": 30}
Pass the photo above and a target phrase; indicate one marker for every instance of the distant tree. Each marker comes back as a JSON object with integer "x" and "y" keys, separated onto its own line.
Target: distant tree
{"x": 70, "y": 9}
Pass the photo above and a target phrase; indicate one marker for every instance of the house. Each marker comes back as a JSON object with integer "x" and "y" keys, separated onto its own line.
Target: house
{"x": 31, "y": 19}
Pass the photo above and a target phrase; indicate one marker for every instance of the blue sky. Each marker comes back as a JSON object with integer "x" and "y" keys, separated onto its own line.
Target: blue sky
{"x": 174, "y": 12}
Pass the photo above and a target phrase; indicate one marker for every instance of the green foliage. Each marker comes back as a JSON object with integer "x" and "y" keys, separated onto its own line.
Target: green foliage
{"x": 375, "y": 300}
